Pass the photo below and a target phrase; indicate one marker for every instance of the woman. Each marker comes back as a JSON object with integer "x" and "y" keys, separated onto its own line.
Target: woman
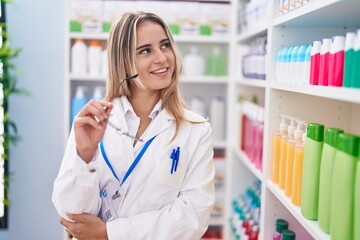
{"x": 167, "y": 192}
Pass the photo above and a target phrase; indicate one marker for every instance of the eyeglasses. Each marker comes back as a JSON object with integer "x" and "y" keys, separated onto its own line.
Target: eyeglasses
{"x": 120, "y": 131}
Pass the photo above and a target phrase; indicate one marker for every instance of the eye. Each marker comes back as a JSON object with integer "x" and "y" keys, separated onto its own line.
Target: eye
{"x": 166, "y": 45}
{"x": 144, "y": 51}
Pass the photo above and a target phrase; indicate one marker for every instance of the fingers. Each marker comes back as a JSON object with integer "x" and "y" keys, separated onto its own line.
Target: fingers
{"x": 94, "y": 113}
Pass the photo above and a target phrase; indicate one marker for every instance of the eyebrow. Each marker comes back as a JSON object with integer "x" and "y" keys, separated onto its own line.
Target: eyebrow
{"x": 148, "y": 45}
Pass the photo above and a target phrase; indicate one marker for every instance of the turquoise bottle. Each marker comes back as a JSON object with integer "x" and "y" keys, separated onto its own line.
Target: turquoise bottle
{"x": 355, "y": 69}
{"x": 326, "y": 169}
{"x": 311, "y": 170}
{"x": 342, "y": 189}
{"x": 357, "y": 199}
{"x": 349, "y": 55}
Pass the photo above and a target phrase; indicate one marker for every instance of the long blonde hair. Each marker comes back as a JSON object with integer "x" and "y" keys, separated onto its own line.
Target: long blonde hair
{"x": 122, "y": 63}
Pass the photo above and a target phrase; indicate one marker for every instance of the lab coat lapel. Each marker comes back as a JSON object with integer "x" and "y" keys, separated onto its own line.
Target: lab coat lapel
{"x": 157, "y": 126}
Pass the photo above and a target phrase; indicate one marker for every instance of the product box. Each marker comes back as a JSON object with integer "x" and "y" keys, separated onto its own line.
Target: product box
{"x": 214, "y": 18}
{"x": 112, "y": 10}
{"x": 85, "y": 15}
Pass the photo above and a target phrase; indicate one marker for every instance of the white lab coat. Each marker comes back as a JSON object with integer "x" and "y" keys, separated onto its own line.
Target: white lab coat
{"x": 157, "y": 205}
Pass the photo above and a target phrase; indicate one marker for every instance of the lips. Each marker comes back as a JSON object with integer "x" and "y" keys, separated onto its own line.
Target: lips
{"x": 160, "y": 70}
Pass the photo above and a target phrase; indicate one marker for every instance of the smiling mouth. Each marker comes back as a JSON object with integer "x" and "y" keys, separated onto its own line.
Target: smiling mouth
{"x": 159, "y": 71}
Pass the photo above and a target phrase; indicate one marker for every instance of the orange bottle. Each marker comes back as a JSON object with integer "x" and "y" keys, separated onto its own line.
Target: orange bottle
{"x": 277, "y": 149}
{"x": 297, "y": 173}
{"x": 283, "y": 153}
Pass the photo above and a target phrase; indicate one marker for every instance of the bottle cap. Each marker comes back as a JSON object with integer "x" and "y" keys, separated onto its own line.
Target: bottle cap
{"x": 288, "y": 235}
{"x": 298, "y": 133}
{"x": 283, "y": 124}
{"x": 348, "y": 143}
{"x": 94, "y": 43}
{"x": 315, "y": 132}
{"x": 325, "y": 46}
{"x": 301, "y": 53}
{"x": 331, "y": 136}
{"x": 281, "y": 225}
{"x": 337, "y": 44}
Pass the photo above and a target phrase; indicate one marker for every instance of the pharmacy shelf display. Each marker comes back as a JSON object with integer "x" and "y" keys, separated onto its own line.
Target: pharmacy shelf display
{"x": 329, "y": 105}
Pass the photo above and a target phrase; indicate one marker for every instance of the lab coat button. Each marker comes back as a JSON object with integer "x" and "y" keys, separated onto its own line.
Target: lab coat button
{"x": 92, "y": 170}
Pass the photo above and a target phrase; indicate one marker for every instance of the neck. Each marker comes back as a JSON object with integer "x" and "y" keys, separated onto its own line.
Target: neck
{"x": 144, "y": 102}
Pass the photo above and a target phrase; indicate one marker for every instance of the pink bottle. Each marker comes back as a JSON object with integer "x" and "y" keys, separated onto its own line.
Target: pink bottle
{"x": 315, "y": 62}
{"x": 336, "y": 65}
{"x": 324, "y": 62}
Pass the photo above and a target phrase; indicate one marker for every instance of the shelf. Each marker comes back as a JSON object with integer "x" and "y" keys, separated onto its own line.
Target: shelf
{"x": 252, "y": 82}
{"x": 204, "y": 79}
{"x": 337, "y": 93}
{"x": 258, "y": 31}
{"x": 87, "y": 78}
{"x": 311, "y": 226}
{"x": 321, "y": 13}
{"x": 216, "y": 221}
{"x": 219, "y": 144}
{"x": 92, "y": 36}
{"x": 246, "y": 161}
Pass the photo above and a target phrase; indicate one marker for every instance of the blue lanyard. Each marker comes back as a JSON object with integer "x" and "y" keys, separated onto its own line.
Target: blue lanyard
{"x": 133, "y": 165}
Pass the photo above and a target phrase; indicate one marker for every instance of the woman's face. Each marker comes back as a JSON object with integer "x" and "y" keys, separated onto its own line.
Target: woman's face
{"x": 154, "y": 55}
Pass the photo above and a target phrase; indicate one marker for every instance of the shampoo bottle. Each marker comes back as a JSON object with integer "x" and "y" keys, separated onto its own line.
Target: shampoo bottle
{"x": 349, "y": 58}
{"x": 276, "y": 151}
{"x": 315, "y": 62}
{"x": 298, "y": 166}
{"x": 342, "y": 190}
{"x": 78, "y": 102}
{"x": 336, "y": 65}
{"x": 311, "y": 170}
{"x": 324, "y": 62}
{"x": 282, "y": 161}
{"x": 326, "y": 168}
{"x": 290, "y": 153}
{"x": 78, "y": 57}
{"x": 193, "y": 63}
{"x": 216, "y": 63}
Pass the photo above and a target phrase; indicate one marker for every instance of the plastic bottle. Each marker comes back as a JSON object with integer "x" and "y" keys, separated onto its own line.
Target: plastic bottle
{"x": 290, "y": 153}
{"x": 216, "y": 63}
{"x": 287, "y": 64}
{"x": 315, "y": 62}
{"x": 324, "y": 62}
{"x": 278, "y": 65}
{"x": 283, "y": 153}
{"x": 94, "y": 58}
{"x": 336, "y": 64}
{"x": 349, "y": 55}
{"x": 98, "y": 93}
{"x": 298, "y": 169}
{"x": 283, "y": 65}
{"x": 217, "y": 113}
{"x": 197, "y": 104}
{"x": 306, "y": 75}
{"x": 276, "y": 151}
{"x": 193, "y": 63}
{"x": 357, "y": 199}
{"x": 78, "y": 102}
{"x": 311, "y": 170}
{"x": 300, "y": 68}
{"x": 293, "y": 73}
{"x": 288, "y": 235}
{"x": 259, "y": 139}
{"x": 355, "y": 75}
{"x": 342, "y": 190}
{"x": 326, "y": 168}
{"x": 281, "y": 225}
{"x": 78, "y": 57}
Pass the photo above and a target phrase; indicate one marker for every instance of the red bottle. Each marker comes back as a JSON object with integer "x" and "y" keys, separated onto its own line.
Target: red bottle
{"x": 324, "y": 62}
{"x": 315, "y": 62}
{"x": 336, "y": 66}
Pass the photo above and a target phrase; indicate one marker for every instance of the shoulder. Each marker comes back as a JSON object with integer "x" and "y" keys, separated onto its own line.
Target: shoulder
{"x": 193, "y": 117}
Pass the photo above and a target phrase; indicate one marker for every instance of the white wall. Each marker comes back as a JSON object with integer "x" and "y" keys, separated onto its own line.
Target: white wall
{"x": 37, "y": 27}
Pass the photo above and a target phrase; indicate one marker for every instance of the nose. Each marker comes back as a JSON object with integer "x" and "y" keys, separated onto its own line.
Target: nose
{"x": 160, "y": 56}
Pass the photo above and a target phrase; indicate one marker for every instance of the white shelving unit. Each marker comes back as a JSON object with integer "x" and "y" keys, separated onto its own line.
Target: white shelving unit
{"x": 331, "y": 106}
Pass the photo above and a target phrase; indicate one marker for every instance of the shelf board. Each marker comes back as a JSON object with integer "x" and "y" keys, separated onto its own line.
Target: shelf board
{"x": 252, "y": 82}
{"x": 246, "y": 161}
{"x": 87, "y": 78}
{"x": 255, "y": 32}
{"x": 204, "y": 79}
{"x": 311, "y": 226}
{"x": 337, "y": 93}
{"x": 92, "y": 36}
{"x": 321, "y": 13}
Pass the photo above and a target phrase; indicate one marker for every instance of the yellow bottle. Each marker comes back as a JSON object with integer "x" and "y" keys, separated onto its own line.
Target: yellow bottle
{"x": 283, "y": 153}
{"x": 277, "y": 149}
{"x": 290, "y": 154}
{"x": 297, "y": 173}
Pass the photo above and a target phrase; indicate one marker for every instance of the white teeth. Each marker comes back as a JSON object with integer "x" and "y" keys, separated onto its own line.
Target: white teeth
{"x": 160, "y": 70}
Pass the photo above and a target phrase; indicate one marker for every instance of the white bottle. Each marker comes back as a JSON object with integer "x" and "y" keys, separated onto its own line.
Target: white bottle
{"x": 217, "y": 114}
{"x": 193, "y": 63}
{"x": 78, "y": 57}
{"x": 94, "y": 58}
{"x": 197, "y": 105}
{"x": 104, "y": 62}
{"x": 98, "y": 93}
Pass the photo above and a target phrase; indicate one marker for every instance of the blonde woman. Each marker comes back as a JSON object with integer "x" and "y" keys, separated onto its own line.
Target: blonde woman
{"x": 138, "y": 165}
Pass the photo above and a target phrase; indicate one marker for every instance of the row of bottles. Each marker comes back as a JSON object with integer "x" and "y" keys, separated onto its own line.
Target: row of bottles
{"x": 321, "y": 174}
{"x": 217, "y": 110}
{"x": 327, "y": 63}
{"x": 282, "y": 231}
{"x": 286, "y": 6}
{"x": 197, "y": 65}
{"x": 245, "y": 213}
{"x": 88, "y": 59}
{"x": 79, "y": 100}
{"x": 252, "y": 132}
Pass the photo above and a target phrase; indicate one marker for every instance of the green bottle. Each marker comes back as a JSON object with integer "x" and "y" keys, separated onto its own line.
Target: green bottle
{"x": 357, "y": 199}
{"x": 288, "y": 235}
{"x": 326, "y": 169}
{"x": 216, "y": 63}
{"x": 311, "y": 170}
{"x": 349, "y": 55}
{"x": 355, "y": 70}
{"x": 342, "y": 189}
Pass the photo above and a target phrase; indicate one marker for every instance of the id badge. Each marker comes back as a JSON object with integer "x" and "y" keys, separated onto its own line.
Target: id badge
{"x": 111, "y": 200}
